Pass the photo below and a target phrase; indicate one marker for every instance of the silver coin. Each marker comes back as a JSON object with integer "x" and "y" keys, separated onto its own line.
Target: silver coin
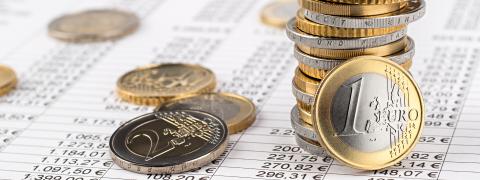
{"x": 297, "y": 36}
{"x": 168, "y": 141}
{"x": 328, "y": 64}
{"x": 310, "y": 146}
{"x": 301, "y": 128}
{"x": 306, "y": 98}
{"x": 414, "y": 10}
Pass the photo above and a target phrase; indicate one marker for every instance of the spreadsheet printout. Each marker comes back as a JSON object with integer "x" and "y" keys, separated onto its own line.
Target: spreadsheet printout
{"x": 57, "y": 123}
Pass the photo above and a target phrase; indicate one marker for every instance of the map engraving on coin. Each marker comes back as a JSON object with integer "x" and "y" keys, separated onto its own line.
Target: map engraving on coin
{"x": 168, "y": 141}
{"x": 370, "y": 105}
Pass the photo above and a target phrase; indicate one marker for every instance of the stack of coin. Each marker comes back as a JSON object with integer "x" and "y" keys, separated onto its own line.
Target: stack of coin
{"x": 327, "y": 33}
{"x": 188, "y": 129}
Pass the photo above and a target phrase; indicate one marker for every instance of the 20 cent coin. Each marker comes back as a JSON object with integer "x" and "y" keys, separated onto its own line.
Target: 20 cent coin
{"x": 155, "y": 84}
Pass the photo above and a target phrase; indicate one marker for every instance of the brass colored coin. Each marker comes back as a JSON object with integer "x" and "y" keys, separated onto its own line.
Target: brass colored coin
{"x": 237, "y": 111}
{"x": 313, "y": 28}
{"x": 368, "y": 113}
{"x": 305, "y": 83}
{"x": 278, "y": 13}
{"x": 337, "y": 9}
{"x": 384, "y": 50}
{"x": 153, "y": 85}
{"x": 305, "y": 114}
{"x": 93, "y": 25}
{"x": 8, "y": 79}
{"x": 321, "y": 73}
{"x": 372, "y": 2}
{"x": 168, "y": 142}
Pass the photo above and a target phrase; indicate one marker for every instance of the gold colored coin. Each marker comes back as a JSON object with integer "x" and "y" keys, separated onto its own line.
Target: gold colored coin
{"x": 321, "y": 73}
{"x": 368, "y": 2}
{"x": 384, "y": 50}
{"x": 153, "y": 85}
{"x": 93, "y": 25}
{"x": 237, "y": 111}
{"x": 337, "y": 9}
{"x": 305, "y": 83}
{"x": 8, "y": 79}
{"x": 368, "y": 113}
{"x": 278, "y": 13}
{"x": 313, "y": 28}
{"x": 305, "y": 113}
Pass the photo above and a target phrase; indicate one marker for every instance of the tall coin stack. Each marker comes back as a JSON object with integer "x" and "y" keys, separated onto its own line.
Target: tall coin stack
{"x": 329, "y": 32}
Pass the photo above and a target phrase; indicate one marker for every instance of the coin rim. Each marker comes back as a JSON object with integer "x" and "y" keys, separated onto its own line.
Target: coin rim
{"x": 298, "y": 36}
{"x": 378, "y": 21}
{"x": 237, "y": 124}
{"x": 339, "y": 9}
{"x": 300, "y": 126}
{"x": 322, "y": 93}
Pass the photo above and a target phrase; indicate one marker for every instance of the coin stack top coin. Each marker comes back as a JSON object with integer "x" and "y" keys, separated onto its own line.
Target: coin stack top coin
{"x": 327, "y": 33}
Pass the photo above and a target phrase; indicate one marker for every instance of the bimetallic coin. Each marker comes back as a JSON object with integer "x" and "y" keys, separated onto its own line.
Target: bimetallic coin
{"x": 153, "y": 85}
{"x": 339, "y": 9}
{"x": 168, "y": 141}
{"x": 237, "y": 111}
{"x": 93, "y": 25}
{"x": 8, "y": 79}
{"x": 278, "y": 13}
{"x": 368, "y": 113}
{"x": 310, "y": 146}
{"x": 327, "y": 64}
{"x": 414, "y": 10}
{"x": 297, "y": 36}
{"x": 302, "y": 128}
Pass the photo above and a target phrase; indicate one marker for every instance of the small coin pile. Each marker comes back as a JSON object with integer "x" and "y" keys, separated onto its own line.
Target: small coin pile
{"x": 93, "y": 25}
{"x": 188, "y": 129}
{"x": 327, "y": 33}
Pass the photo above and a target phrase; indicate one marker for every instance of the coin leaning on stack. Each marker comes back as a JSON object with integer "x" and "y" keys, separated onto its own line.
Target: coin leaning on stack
{"x": 326, "y": 34}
